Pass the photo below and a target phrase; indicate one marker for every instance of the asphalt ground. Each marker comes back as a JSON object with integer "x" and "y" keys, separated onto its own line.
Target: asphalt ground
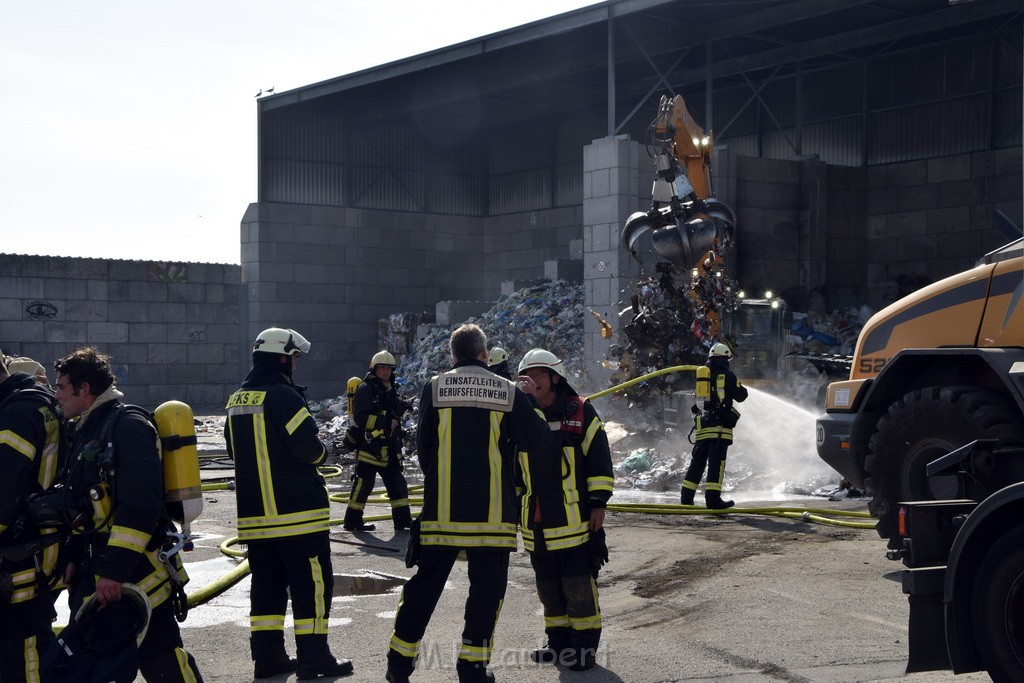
{"x": 732, "y": 598}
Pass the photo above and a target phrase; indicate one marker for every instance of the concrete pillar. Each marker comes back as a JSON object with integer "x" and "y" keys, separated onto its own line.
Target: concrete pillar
{"x": 612, "y": 190}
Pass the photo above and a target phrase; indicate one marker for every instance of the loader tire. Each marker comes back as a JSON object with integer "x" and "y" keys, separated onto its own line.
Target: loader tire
{"x": 922, "y": 426}
{"x": 997, "y": 606}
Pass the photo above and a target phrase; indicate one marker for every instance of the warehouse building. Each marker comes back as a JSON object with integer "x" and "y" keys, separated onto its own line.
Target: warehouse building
{"x": 864, "y": 144}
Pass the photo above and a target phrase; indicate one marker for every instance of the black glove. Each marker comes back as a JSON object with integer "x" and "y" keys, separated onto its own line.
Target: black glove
{"x": 412, "y": 551}
{"x": 597, "y": 548}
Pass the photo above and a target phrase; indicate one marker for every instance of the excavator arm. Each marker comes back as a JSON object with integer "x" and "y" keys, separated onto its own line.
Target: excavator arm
{"x": 686, "y": 220}
{"x": 689, "y": 227}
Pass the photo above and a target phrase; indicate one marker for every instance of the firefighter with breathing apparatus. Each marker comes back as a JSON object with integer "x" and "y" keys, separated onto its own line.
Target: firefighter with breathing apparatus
{"x": 29, "y": 452}
{"x": 719, "y": 388}
{"x": 377, "y": 415}
{"x": 124, "y": 574}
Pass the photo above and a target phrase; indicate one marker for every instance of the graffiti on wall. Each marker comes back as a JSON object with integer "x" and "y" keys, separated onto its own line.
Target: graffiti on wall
{"x": 167, "y": 272}
{"x": 197, "y": 337}
{"x": 40, "y": 310}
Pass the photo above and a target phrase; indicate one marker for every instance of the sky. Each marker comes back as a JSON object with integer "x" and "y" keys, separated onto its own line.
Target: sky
{"x": 128, "y": 129}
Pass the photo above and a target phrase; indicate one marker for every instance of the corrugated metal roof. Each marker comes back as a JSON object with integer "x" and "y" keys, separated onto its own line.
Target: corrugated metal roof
{"x": 560, "y": 64}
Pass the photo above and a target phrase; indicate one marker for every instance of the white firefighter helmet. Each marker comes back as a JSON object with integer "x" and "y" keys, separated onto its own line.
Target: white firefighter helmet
{"x": 541, "y": 358}
{"x": 105, "y": 629}
{"x": 382, "y": 358}
{"x": 277, "y": 340}
{"x": 720, "y": 350}
{"x": 497, "y": 355}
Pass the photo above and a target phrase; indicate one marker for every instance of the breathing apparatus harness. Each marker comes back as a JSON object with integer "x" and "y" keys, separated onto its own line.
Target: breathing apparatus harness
{"x": 102, "y": 495}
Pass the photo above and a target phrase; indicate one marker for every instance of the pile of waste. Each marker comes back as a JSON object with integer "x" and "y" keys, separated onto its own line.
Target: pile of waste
{"x": 833, "y": 333}
{"x": 547, "y": 316}
{"x": 674, "y": 323}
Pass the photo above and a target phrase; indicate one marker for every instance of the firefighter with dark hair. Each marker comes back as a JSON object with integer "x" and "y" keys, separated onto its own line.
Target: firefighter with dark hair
{"x": 29, "y": 452}
{"x": 466, "y": 415}
{"x": 567, "y": 487}
{"x": 283, "y": 511}
{"x": 378, "y": 418}
{"x": 114, "y": 478}
{"x": 715, "y": 423}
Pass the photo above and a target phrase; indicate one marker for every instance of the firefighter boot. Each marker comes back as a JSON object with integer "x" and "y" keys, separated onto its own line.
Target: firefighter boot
{"x": 559, "y": 640}
{"x": 395, "y": 676}
{"x": 402, "y": 518}
{"x": 584, "y": 659}
{"x": 354, "y": 521}
{"x": 473, "y": 672}
{"x": 713, "y": 501}
{"x": 686, "y": 496}
{"x": 269, "y": 656}
{"x": 316, "y": 660}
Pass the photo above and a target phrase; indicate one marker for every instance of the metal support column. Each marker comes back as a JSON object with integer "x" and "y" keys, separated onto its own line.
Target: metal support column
{"x": 611, "y": 76}
{"x": 709, "y": 88}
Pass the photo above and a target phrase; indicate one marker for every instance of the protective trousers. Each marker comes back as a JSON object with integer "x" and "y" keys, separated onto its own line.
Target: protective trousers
{"x": 362, "y": 485}
{"x": 300, "y": 566}
{"x": 572, "y": 613}
{"x": 162, "y": 657}
{"x": 26, "y": 631}
{"x": 488, "y": 577}
{"x": 710, "y": 453}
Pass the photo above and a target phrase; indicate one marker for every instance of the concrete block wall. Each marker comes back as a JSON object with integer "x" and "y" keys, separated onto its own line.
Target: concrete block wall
{"x": 930, "y": 219}
{"x": 333, "y": 273}
{"x": 170, "y": 328}
{"x": 768, "y": 225}
{"x": 825, "y": 237}
{"x": 615, "y": 174}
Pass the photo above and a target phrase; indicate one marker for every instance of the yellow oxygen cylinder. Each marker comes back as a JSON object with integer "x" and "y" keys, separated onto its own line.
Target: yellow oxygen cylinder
{"x": 703, "y": 389}
{"x": 353, "y": 384}
{"x": 183, "y": 494}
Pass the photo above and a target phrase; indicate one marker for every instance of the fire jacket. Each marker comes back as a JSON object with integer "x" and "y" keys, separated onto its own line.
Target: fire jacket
{"x": 115, "y": 455}
{"x": 466, "y": 417}
{"x": 375, "y": 406}
{"x": 274, "y": 442}
{"x": 719, "y": 416}
{"x": 29, "y": 450}
{"x": 568, "y": 478}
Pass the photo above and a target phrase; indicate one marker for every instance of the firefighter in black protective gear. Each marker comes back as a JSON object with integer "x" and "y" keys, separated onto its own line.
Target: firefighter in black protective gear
{"x": 466, "y": 417}
{"x": 567, "y": 487}
{"x": 497, "y": 362}
{"x": 714, "y": 431}
{"x": 113, "y": 479}
{"x": 29, "y": 452}
{"x": 283, "y": 511}
{"x": 378, "y": 417}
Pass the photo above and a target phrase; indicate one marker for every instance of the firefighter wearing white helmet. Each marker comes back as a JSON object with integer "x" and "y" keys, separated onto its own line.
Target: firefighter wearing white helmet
{"x": 497, "y": 362}
{"x": 377, "y": 413}
{"x": 283, "y": 510}
{"x": 714, "y": 425}
{"x": 568, "y": 484}
{"x": 720, "y": 350}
